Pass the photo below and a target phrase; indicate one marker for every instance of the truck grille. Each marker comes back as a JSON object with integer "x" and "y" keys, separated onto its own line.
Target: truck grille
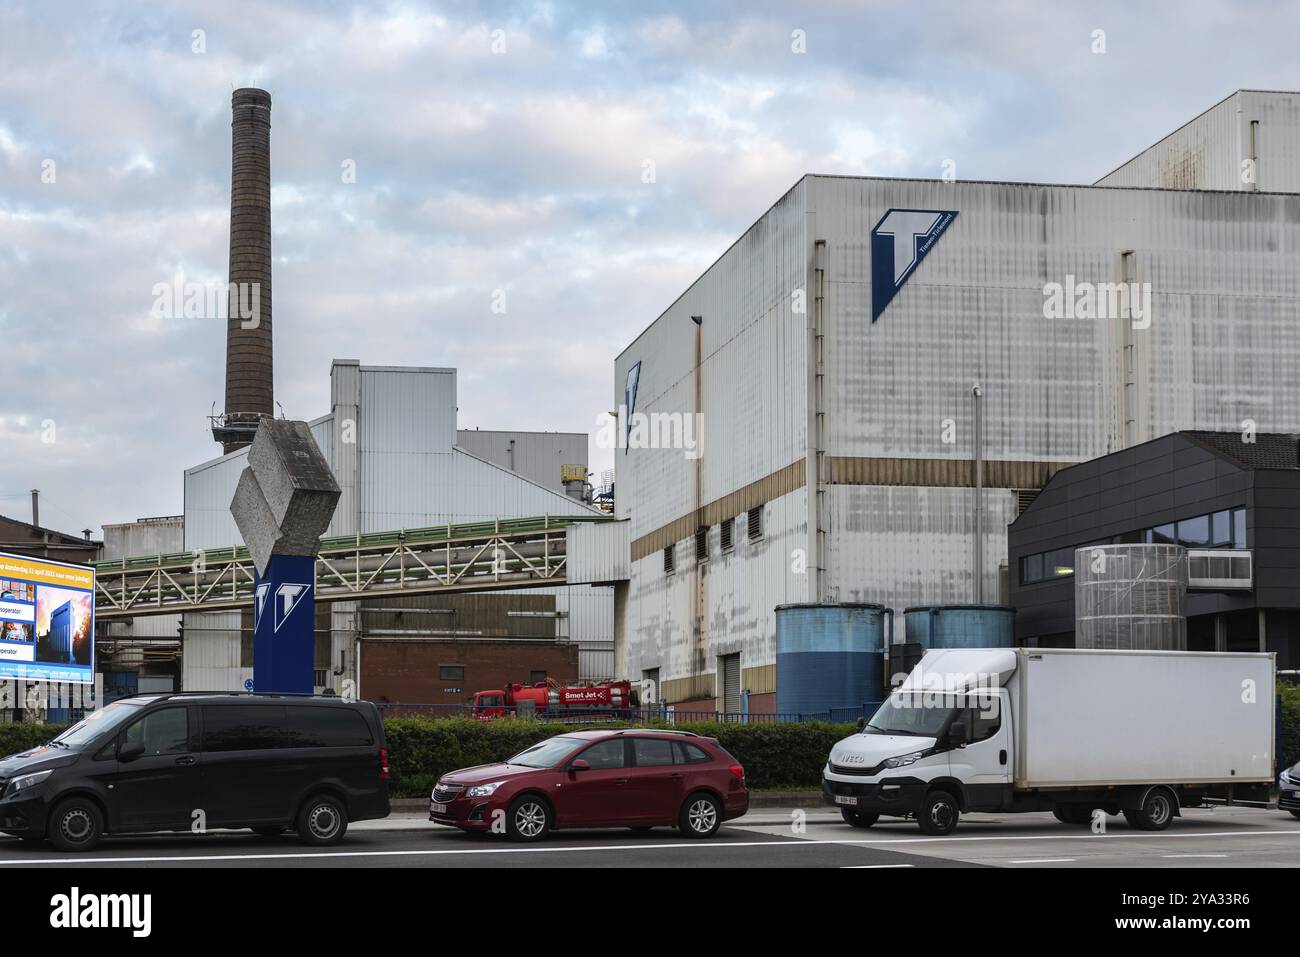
{"x": 857, "y": 771}
{"x": 446, "y": 793}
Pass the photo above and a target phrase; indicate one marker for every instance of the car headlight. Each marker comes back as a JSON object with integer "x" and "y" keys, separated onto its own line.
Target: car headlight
{"x": 483, "y": 790}
{"x": 904, "y": 759}
{"x": 25, "y": 782}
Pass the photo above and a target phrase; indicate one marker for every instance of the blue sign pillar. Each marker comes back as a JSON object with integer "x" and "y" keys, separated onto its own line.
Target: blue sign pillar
{"x": 284, "y": 625}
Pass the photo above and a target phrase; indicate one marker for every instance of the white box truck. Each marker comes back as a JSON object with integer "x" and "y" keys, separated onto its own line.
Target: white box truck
{"x": 1143, "y": 733}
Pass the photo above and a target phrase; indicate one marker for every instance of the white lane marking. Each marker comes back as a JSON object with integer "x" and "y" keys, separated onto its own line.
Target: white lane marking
{"x": 1142, "y": 835}
{"x": 871, "y": 867}
{"x": 1045, "y": 860}
{"x": 1181, "y": 856}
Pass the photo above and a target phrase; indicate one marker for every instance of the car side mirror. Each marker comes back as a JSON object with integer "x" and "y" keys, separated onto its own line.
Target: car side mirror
{"x": 862, "y": 724}
{"x": 957, "y": 736}
{"x": 129, "y": 752}
{"x": 579, "y": 765}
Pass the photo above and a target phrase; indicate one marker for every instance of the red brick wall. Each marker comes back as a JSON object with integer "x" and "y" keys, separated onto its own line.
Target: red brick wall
{"x": 406, "y": 670}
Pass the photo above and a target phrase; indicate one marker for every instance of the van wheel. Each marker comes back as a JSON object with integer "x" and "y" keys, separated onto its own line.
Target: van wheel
{"x": 858, "y": 818}
{"x": 1076, "y": 814}
{"x": 529, "y": 818}
{"x": 269, "y": 831}
{"x": 1294, "y": 813}
{"x": 322, "y": 821}
{"x": 939, "y": 814}
{"x": 701, "y": 816}
{"x": 75, "y": 825}
{"x": 1156, "y": 812}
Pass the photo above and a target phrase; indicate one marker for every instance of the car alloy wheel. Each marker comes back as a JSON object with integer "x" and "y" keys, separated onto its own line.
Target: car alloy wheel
{"x": 702, "y": 816}
{"x": 529, "y": 819}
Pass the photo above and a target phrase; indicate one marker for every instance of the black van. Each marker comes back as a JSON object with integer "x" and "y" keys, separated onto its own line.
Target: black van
{"x": 190, "y": 762}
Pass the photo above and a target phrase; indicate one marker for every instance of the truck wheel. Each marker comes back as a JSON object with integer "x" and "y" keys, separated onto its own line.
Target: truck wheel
{"x": 75, "y": 825}
{"x": 858, "y": 818}
{"x": 1156, "y": 813}
{"x": 1075, "y": 814}
{"x": 938, "y": 814}
{"x": 529, "y": 818}
{"x": 701, "y": 816}
{"x": 322, "y": 821}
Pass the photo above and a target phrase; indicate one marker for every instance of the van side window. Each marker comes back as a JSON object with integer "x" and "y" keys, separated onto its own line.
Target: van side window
{"x": 985, "y": 721}
{"x": 327, "y": 727}
{"x": 243, "y": 727}
{"x": 161, "y": 732}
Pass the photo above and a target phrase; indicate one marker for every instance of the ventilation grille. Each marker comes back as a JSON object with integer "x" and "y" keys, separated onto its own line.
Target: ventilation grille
{"x": 670, "y": 560}
{"x": 1024, "y": 498}
{"x": 728, "y": 529}
{"x": 702, "y": 544}
{"x": 755, "y": 522}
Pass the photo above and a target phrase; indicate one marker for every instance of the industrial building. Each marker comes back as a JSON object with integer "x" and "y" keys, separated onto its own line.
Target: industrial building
{"x": 1233, "y": 503}
{"x": 886, "y": 372}
{"x": 390, "y": 438}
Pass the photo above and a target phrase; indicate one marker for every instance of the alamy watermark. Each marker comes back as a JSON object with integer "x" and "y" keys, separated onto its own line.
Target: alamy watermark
{"x": 652, "y": 430}
{"x": 208, "y": 300}
{"x": 1098, "y": 300}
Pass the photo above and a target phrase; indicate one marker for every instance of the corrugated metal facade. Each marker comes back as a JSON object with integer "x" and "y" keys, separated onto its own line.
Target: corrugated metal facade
{"x": 537, "y": 456}
{"x": 390, "y": 439}
{"x": 597, "y": 553}
{"x": 894, "y": 500}
{"x": 1214, "y": 150}
{"x": 148, "y": 536}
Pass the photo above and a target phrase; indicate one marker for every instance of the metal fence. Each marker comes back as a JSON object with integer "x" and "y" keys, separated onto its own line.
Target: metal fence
{"x": 676, "y": 715}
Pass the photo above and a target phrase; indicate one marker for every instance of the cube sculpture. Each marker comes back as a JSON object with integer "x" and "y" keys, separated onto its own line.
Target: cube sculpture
{"x": 284, "y": 501}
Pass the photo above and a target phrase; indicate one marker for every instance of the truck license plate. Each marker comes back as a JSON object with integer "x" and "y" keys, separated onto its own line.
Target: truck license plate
{"x": 847, "y": 801}
{"x": 437, "y": 808}
{"x": 1295, "y": 794}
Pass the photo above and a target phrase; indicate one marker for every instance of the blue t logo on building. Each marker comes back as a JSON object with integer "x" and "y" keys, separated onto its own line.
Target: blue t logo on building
{"x": 899, "y": 242}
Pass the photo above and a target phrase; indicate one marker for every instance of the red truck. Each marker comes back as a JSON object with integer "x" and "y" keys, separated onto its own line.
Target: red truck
{"x": 552, "y": 701}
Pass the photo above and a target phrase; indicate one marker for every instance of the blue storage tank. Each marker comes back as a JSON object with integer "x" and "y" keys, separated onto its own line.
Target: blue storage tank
{"x": 961, "y": 626}
{"x": 829, "y": 656}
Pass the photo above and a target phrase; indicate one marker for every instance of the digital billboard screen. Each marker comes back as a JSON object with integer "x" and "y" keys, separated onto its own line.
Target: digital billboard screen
{"x": 47, "y": 620}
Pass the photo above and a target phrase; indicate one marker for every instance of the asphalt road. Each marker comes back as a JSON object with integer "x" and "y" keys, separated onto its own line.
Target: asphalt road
{"x": 1232, "y": 837}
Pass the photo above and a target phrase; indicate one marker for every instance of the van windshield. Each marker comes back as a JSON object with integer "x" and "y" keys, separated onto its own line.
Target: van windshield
{"x": 98, "y": 722}
{"x": 909, "y": 714}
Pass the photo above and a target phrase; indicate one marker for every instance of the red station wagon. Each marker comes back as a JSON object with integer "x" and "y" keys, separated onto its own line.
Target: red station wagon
{"x": 625, "y": 778}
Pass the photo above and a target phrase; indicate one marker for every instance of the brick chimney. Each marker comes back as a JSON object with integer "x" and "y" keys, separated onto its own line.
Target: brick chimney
{"x": 250, "y": 393}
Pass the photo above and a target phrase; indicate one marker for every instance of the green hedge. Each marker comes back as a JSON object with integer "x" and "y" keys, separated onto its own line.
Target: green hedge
{"x": 21, "y": 737}
{"x": 1288, "y": 744}
{"x": 422, "y": 749}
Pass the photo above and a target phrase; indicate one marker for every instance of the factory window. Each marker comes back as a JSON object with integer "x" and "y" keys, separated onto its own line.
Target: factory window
{"x": 728, "y": 530}
{"x": 1194, "y": 532}
{"x": 1239, "y": 528}
{"x": 755, "y": 523}
{"x": 702, "y": 544}
{"x": 536, "y": 677}
{"x": 451, "y": 672}
{"x": 670, "y": 562}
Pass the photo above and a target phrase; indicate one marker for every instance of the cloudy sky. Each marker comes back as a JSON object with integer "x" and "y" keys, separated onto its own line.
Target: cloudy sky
{"x": 497, "y": 146}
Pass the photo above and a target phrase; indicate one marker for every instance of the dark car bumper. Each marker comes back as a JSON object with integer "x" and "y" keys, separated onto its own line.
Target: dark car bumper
{"x": 897, "y": 796}
{"x": 24, "y": 818}
{"x": 1288, "y": 797}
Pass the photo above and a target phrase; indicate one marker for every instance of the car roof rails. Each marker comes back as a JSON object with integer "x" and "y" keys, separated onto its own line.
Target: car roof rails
{"x": 686, "y": 734}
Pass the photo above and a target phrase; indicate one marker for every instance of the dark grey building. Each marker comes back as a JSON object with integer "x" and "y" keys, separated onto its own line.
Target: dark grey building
{"x": 1234, "y": 504}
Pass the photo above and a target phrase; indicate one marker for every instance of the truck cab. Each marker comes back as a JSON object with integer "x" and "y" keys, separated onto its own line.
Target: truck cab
{"x": 489, "y": 705}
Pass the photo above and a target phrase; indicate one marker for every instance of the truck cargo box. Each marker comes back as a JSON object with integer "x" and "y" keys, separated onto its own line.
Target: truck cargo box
{"x": 1110, "y": 717}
